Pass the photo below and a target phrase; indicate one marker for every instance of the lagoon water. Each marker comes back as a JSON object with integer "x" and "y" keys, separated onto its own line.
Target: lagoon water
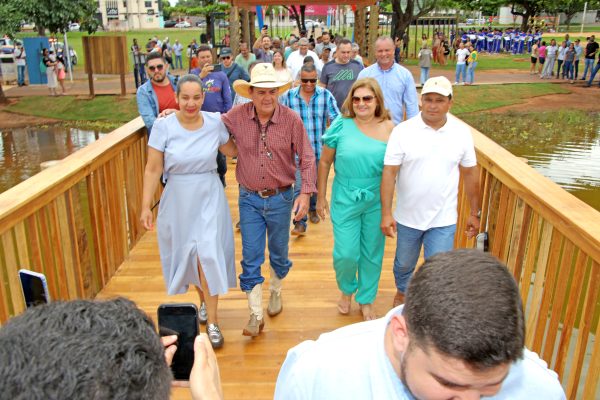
{"x": 573, "y": 162}
{"x": 23, "y": 150}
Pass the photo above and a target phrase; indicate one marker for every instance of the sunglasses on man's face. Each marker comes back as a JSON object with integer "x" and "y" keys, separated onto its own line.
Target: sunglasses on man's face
{"x": 365, "y": 99}
{"x": 225, "y": 58}
{"x": 308, "y": 80}
{"x": 158, "y": 67}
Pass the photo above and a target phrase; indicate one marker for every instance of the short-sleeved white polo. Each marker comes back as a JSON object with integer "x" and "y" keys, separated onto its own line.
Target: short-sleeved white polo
{"x": 427, "y": 183}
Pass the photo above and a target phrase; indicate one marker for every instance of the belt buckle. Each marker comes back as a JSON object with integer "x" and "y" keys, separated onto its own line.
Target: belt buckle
{"x": 262, "y": 195}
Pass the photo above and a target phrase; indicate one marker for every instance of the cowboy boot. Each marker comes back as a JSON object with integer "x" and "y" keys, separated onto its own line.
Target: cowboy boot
{"x": 256, "y": 322}
{"x": 275, "y": 302}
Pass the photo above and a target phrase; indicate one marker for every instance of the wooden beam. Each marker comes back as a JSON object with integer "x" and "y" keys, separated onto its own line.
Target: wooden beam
{"x": 373, "y": 31}
{"x": 234, "y": 29}
{"x": 359, "y": 30}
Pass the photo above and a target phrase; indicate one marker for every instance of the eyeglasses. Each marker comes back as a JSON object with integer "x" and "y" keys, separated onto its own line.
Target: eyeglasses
{"x": 308, "y": 80}
{"x": 225, "y": 58}
{"x": 158, "y": 67}
{"x": 365, "y": 99}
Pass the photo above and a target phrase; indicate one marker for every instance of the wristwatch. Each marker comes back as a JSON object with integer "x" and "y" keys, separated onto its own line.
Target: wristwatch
{"x": 478, "y": 214}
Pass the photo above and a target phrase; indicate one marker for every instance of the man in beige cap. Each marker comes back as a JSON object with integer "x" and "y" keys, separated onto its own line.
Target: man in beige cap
{"x": 425, "y": 156}
{"x": 269, "y": 137}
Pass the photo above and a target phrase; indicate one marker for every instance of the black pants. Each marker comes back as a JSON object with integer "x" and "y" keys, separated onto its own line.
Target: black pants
{"x": 221, "y": 167}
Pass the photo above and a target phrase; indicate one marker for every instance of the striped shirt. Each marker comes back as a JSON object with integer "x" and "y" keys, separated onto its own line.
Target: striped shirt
{"x": 321, "y": 108}
{"x": 270, "y": 164}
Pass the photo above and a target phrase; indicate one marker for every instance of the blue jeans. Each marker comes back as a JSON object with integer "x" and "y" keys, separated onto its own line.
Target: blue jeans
{"x": 178, "y": 61}
{"x": 471, "y": 72}
{"x": 298, "y": 188}
{"x": 424, "y": 74}
{"x": 261, "y": 219}
{"x": 568, "y": 70}
{"x": 21, "y": 75}
{"x": 408, "y": 248}
{"x": 593, "y": 75}
{"x": 461, "y": 69}
{"x": 589, "y": 64}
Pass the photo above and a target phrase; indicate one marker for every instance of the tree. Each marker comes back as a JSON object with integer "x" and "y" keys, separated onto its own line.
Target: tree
{"x": 298, "y": 16}
{"x": 570, "y": 8}
{"x": 55, "y": 15}
{"x": 407, "y": 11}
{"x": 527, "y": 9}
{"x": 10, "y": 23}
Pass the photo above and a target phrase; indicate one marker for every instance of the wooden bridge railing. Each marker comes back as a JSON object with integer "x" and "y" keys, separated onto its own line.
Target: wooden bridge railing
{"x": 77, "y": 221}
{"x": 550, "y": 241}
{"x": 74, "y": 222}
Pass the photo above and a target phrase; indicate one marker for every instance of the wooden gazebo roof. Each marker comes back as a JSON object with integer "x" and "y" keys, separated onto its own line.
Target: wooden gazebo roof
{"x": 248, "y": 3}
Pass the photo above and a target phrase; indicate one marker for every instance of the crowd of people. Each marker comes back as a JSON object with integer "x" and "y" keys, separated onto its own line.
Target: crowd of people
{"x": 287, "y": 114}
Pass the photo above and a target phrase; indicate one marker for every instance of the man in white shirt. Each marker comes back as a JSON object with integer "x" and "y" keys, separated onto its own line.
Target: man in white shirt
{"x": 296, "y": 59}
{"x": 20, "y": 58}
{"x": 424, "y": 158}
{"x": 460, "y": 335}
{"x": 461, "y": 63}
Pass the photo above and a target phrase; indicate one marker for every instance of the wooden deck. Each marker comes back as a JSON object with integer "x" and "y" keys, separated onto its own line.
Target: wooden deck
{"x": 249, "y": 367}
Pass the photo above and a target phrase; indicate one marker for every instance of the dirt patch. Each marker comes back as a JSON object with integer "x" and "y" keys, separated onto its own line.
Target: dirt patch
{"x": 11, "y": 120}
{"x": 580, "y": 97}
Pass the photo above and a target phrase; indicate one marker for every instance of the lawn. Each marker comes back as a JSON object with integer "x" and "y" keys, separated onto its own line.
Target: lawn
{"x": 111, "y": 111}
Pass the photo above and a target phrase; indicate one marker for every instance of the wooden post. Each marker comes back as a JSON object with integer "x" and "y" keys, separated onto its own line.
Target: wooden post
{"x": 245, "y": 27}
{"x": 88, "y": 64}
{"x": 373, "y": 31}
{"x": 359, "y": 30}
{"x": 123, "y": 63}
{"x": 234, "y": 30}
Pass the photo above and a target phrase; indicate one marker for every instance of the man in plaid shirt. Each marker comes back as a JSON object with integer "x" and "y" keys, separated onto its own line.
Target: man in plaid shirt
{"x": 317, "y": 107}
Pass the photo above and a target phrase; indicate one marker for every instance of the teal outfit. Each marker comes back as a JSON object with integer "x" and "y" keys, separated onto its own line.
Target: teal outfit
{"x": 356, "y": 209}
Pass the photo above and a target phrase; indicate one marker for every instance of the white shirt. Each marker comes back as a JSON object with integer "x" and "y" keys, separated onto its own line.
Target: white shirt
{"x": 351, "y": 363}
{"x": 461, "y": 55}
{"x": 296, "y": 60}
{"x": 427, "y": 183}
{"x": 20, "y": 56}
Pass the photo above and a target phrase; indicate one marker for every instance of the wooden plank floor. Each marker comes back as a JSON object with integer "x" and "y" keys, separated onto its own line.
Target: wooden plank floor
{"x": 249, "y": 367}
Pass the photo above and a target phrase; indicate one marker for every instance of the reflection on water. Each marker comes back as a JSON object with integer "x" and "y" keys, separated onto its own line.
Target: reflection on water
{"x": 23, "y": 150}
{"x": 566, "y": 151}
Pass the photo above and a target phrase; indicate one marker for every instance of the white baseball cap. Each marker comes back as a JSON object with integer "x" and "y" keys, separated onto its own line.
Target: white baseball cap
{"x": 439, "y": 85}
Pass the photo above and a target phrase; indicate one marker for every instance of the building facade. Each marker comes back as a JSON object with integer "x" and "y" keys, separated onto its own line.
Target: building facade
{"x": 124, "y": 15}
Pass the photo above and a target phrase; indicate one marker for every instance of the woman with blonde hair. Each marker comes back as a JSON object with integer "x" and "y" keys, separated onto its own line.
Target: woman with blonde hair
{"x": 283, "y": 73}
{"x": 355, "y": 143}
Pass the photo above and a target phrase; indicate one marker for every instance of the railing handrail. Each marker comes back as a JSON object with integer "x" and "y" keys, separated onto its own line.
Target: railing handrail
{"x": 575, "y": 219}
{"x": 30, "y": 195}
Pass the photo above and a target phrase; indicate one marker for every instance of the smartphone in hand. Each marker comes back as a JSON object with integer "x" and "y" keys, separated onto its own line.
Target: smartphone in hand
{"x": 34, "y": 287}
{"x": 217, "y": 67}
{"x": 180, "y": 320}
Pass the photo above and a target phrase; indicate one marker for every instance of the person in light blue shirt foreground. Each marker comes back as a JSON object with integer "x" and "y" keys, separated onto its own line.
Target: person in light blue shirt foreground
{"x": 396, "y": 81}
{"x": 459, "y": 335}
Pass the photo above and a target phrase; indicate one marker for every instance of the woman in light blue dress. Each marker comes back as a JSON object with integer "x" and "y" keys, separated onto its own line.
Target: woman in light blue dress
{"x": 195, "y": 234}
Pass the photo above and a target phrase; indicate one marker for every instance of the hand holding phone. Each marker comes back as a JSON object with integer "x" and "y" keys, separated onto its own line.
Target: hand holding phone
{"x": 180, "y": 320}
{"x": 217, "y": 67}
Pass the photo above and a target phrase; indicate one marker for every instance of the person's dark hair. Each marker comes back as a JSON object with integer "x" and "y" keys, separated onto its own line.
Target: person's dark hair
{"x": 203, "y": 47}
{"x": 344, "y": 41}
{"x": 308, "y": 59}
{"x": 309, "y": 67}
{"x": 465, "y": 304}
{"x": 82, "y": 350}
{"x": 186, "y": 79}
{"x": 154, "y": 56}
{"x": 543, "y": 42}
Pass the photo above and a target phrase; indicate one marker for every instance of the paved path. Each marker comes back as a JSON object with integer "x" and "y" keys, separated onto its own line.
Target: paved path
{"x": 110, "y": 84}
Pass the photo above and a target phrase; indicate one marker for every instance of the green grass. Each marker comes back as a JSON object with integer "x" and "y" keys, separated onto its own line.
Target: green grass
{"x": 469, "y": 99}
{"x": 112, "y": 111}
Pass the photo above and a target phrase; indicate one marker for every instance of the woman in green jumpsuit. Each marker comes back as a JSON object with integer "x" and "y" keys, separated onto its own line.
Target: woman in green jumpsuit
{"x": 355, "y": 143}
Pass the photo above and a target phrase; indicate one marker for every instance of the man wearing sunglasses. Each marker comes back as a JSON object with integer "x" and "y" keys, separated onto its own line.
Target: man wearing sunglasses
{"x": 157, "y": 94}
{"x": 232, "y": 69}
{"x": 317, "y": 108}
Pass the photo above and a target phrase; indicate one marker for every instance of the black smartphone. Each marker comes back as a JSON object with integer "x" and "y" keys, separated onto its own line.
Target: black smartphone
{"x": 180, "y": 320}
{"x": 34, "y": 287}
{"x": 482, "y": 241}
{"x": 265, "y": 26}
{"x": 217, "y": 67}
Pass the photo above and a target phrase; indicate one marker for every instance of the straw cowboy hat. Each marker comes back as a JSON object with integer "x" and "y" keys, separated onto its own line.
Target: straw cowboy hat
{"x": 262, "y": 76}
